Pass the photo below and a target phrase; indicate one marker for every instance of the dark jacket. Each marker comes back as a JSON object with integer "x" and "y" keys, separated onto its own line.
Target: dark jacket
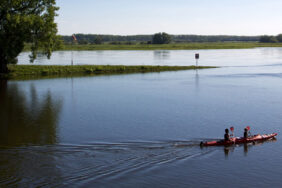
{"x": 245, "y": 134}
{"x": 226, "y": 137}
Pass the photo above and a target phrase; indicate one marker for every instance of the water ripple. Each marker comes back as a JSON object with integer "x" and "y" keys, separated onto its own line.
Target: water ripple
{"x": 94, "y": 162}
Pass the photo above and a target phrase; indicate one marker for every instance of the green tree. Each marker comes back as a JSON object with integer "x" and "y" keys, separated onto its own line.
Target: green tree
{"x": 268, "y": 39}
{"x": 98, "y": 40}
{"x": 279, "y": 37}
{"x": 161, "y": 38}
{"x": 26, "y": 21}
{"x": 273, "y": 39}
{"x": 82, "y": 41}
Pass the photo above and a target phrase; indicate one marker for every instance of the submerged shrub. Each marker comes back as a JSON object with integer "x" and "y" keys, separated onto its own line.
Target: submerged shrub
{"x": 98, "y": 68}
{"x": 89, "y": 70}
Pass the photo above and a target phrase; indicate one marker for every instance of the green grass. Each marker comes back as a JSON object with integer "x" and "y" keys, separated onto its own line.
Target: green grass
{"x": 172, "y": 46}
{"x": 20, "y": 71}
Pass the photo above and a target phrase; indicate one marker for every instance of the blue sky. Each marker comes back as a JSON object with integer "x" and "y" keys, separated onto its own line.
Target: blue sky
{"x": 203, "y": 17}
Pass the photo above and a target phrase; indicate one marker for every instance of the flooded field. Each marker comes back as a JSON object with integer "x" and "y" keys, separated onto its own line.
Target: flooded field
{"x": 144, "y": 130}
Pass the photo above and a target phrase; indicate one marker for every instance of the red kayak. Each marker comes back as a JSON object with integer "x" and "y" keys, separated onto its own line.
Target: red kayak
{"x": 240, "y": 140}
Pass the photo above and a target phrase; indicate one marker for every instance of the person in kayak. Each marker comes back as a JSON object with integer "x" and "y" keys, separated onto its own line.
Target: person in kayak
{"x": 226, "y": 135}
{"x": 246, "y": 133}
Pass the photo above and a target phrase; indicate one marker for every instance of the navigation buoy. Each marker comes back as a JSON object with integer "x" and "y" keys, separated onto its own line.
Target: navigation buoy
{"x": 197, "y": 57}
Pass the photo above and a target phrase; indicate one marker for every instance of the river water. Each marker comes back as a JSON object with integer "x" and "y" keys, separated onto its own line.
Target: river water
{"x": 144, "y": 130}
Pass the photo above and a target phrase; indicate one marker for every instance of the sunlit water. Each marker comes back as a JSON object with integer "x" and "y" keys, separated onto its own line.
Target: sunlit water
{"x": 144, "y": 130}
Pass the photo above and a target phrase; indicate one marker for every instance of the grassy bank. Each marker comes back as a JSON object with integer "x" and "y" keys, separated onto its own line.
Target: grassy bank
{"x": 19, "y": 71}
{"x": 173, "y": 46}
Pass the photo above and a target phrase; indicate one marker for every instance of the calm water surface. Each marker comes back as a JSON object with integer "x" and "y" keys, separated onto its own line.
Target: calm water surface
{"x": 144, "y": 130}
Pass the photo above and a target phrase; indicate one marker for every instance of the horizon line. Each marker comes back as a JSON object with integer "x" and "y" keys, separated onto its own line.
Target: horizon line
{"x": 169, "y": 34}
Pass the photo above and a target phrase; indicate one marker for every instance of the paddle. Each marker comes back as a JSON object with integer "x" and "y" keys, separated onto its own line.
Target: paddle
{"x": 249, "y": 128}
{"x": 232, "y": 130}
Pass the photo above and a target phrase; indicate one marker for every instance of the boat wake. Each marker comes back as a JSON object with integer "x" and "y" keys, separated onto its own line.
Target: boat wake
{"x": 99, "y": 163}
{"x": 92, "y": 162}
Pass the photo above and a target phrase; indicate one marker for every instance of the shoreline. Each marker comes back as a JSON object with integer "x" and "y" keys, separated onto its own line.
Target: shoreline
{"x": 43, "y": 71}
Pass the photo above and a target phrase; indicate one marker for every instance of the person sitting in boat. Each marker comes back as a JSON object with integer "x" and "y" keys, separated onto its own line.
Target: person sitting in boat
{"x": 246, "y": 133}
{"x": 226, "y": 135}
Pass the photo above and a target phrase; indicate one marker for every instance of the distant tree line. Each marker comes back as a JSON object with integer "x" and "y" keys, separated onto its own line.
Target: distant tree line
{"x": 214, "y": 38}
{"x": 158, "y": 38}
{"x": 99, "y": 39}
{"x": 271, "y": 39}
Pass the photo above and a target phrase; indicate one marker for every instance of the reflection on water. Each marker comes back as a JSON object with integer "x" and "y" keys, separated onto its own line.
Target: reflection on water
{"x": 161, "y": 54}
{"x": 246, "y": 147}
{"x": 197, "y": 79}
{"x": 27, "y": 120}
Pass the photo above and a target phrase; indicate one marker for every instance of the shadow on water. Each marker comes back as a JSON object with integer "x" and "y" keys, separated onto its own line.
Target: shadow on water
{"x": 27, "y": 120}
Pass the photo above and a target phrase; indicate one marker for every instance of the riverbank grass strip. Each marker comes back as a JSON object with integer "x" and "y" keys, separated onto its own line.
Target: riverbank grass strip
{"x": 44, "y": 70}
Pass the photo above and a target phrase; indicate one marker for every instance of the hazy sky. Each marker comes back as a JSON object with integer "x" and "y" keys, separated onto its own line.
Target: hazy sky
{"x": 203, "y": 17}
